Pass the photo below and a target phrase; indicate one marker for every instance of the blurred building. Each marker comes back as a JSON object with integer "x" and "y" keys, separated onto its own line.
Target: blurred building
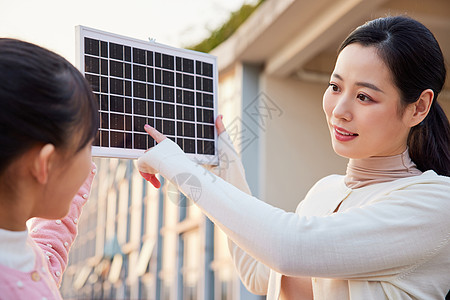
{"x": 137, "y": 242}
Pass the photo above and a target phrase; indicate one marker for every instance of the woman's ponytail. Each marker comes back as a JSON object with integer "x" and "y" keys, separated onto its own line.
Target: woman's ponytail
{"x": 429, "y": 142}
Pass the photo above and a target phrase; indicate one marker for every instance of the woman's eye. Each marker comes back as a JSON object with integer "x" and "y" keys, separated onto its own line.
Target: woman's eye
{"x": 363, "y": 98}
{"x": 334, "y": 87}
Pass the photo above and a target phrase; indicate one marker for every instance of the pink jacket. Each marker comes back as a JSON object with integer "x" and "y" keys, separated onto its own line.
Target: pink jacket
{"x": 51, "y": 241}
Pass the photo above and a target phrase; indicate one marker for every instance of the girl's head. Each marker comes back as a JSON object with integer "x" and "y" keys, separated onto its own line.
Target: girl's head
{"x": 415, "y": 67}
{"x": 44, "y": 101}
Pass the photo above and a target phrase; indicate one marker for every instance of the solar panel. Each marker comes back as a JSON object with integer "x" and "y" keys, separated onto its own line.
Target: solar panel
{"x": 138, "y": 82}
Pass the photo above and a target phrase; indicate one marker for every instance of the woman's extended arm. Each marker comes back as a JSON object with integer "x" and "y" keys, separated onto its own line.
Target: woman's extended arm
{"x": 365, "y": 242}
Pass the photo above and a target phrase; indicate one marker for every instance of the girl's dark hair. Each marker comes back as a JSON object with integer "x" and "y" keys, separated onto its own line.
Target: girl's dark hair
{"x": 415, "y": 60}
{"x": 43, "y": 99}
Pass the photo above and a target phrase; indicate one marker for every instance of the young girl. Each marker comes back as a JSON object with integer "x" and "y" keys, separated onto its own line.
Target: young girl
{"x": 382, "y": 231}
{"x": 48, "y": 119}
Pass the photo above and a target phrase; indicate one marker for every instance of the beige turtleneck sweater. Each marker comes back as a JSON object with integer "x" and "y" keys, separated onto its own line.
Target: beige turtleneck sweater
{"x": 372, "y": 170}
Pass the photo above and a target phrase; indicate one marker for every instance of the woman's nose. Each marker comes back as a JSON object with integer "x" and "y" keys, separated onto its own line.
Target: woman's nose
{"x": 343, "y": 108}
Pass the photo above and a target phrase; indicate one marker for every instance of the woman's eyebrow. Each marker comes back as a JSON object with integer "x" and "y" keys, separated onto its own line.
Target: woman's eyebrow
{"x": 360, "y": 83}
{"x": 337, "y": 76}
{"x": 369, "y": 85}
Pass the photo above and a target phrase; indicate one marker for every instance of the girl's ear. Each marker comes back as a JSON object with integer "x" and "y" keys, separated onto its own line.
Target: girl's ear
{"x": 422, "y": 107}
{"x": 42, "y": 163}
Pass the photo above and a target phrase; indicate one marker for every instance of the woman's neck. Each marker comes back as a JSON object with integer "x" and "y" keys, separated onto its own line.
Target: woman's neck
{"x": 368, "y": 171}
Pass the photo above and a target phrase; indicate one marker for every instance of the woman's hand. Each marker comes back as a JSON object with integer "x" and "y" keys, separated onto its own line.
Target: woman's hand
{"x": 155, "y": 134}
{"x": 219, "y": 125}
{"x": 159, "y": 137}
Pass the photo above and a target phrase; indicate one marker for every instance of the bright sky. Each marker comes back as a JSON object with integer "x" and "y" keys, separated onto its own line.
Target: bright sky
{"x": 51, "y": 23}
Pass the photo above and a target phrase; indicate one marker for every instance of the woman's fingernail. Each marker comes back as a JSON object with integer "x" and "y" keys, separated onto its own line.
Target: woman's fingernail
{"x": 146, "y": 176}
{"x": 146, "y": 126}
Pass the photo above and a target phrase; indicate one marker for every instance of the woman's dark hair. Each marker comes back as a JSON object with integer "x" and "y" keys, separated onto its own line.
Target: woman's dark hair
{"x": 415, "y": 60}
{"x": 43, "y": 99}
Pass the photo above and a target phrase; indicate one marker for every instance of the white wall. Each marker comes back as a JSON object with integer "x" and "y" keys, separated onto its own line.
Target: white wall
{"x": 298, "y": 150}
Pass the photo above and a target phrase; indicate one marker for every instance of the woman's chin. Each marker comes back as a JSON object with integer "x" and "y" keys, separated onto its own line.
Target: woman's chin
{"x": 345, "y": 152}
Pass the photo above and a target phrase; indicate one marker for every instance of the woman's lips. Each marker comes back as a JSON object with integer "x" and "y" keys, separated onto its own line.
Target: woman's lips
{"x": 343, "y": 135}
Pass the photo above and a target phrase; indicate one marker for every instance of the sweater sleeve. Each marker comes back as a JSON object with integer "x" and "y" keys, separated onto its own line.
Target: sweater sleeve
{"x": 362, "y": 243}
{"x": 55, "y": 237}
{"x": 253, "y": 274}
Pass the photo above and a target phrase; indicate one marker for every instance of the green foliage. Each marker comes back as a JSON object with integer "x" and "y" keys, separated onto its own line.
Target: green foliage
{"x": 220, "y": 35}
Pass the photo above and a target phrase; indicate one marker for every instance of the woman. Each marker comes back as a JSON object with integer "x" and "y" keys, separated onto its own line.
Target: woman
{"x": 381, "y": 231}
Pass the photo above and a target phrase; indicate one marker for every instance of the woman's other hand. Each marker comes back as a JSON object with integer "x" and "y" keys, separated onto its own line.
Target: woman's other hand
{"x": 219, "y": 125}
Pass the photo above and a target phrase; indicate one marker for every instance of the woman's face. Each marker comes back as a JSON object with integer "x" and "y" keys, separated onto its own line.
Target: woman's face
{"x": 362, "y": 106}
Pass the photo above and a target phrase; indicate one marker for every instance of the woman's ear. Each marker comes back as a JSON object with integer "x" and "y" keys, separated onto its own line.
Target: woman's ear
{"x": 42, "y": 163}
{"x": 421, "y": 107}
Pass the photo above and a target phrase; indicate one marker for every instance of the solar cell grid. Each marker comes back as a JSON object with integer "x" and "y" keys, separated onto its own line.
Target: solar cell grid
{"x": 140, "y": 83}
